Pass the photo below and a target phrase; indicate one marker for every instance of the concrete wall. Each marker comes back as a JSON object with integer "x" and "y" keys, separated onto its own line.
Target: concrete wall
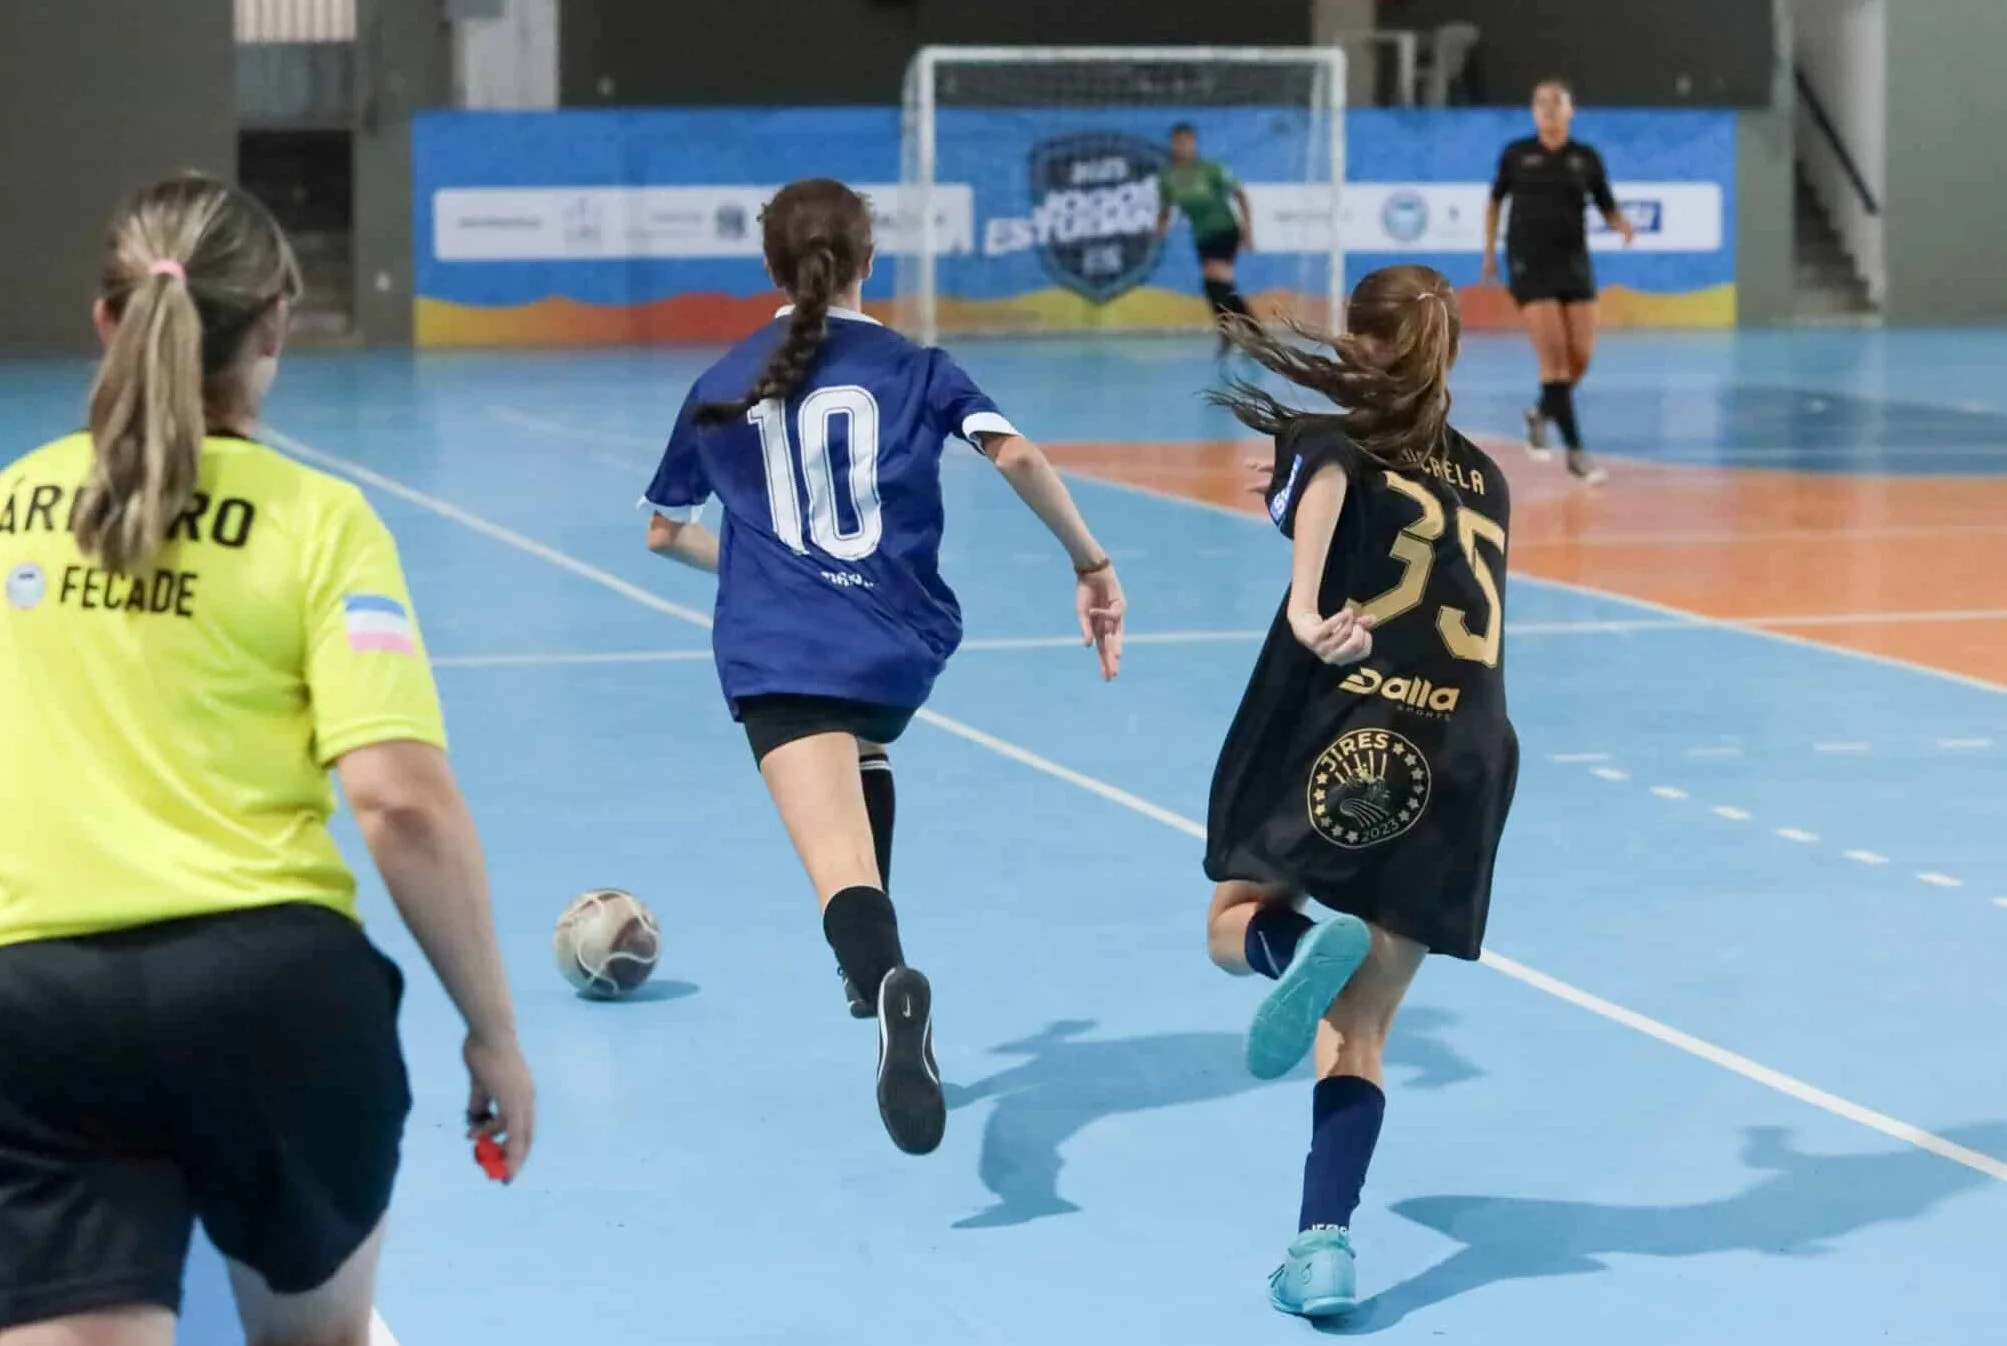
{"x": 406, "y": 64}
{"x": 1841, "y": 47}
{"x": 69, "y": 153}
{"x": 1947, "y": 189}
{"x": 1766, "y": 243}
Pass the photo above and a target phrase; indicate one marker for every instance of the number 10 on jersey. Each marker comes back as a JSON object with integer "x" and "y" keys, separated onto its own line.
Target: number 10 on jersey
{"x": 809, "y": 454}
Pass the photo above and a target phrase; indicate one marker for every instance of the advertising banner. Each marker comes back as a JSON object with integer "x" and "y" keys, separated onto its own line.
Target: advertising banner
{"x": 614, "y": 227}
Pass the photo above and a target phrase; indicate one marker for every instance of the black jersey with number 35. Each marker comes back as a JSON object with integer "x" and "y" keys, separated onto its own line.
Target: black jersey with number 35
{"x": 1381, "y": 788}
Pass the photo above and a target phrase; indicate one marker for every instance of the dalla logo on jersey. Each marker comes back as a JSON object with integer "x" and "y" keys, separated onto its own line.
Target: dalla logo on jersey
{"x": 1416, "y": 694}
{"x": 1094, "y": 211}
{"x": 1368, "y": 787}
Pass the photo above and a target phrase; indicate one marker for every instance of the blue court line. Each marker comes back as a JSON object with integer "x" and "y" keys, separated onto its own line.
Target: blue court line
{"x": 1735, "y": 1063}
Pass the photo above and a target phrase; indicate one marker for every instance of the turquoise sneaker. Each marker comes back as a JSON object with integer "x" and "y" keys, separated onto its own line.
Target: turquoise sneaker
{"x": 1318, "y": 1277}
{"x": 1285, "y": 1027}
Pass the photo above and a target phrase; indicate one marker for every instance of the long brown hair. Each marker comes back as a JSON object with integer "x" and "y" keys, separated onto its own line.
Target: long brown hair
{"x": 817, "y": 237}
{"x": 1390, "y": 377}
{"x": 191, "y": 266}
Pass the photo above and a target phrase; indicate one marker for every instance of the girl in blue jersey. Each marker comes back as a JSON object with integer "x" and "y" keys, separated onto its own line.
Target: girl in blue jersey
{"x": 821, "y": 435}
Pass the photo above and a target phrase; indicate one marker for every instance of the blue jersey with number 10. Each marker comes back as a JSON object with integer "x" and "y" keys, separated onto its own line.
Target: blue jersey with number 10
{"x": 829, "y": 578}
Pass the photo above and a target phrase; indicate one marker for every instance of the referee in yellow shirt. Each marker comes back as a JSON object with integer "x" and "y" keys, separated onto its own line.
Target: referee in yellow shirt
{"x": 192, "y": 1024}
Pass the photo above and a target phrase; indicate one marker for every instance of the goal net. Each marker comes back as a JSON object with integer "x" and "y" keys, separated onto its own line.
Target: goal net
{"x": 1029, "y": 185}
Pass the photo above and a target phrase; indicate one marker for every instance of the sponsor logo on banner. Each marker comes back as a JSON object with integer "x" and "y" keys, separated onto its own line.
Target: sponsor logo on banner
{"x": 1448, "y": 217}
{"x": 1094, "y": 212}
{"x": 554, "y": 224}
{"x": 1405, "y": 216}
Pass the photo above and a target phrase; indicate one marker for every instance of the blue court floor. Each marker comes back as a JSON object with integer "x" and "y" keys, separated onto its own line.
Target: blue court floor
{"x": 1722, "y": 1080}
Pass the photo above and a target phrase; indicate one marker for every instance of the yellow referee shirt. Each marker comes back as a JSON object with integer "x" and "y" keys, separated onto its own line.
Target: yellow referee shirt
{"x": 165, "y": 739}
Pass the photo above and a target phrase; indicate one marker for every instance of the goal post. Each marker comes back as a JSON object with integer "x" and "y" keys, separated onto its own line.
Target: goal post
{"x": 1029, "y": 185}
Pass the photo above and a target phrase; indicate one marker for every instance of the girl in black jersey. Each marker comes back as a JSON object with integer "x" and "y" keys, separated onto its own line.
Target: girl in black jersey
{"x": 1371, "y": 763}
{"x": 1550, "y": 180}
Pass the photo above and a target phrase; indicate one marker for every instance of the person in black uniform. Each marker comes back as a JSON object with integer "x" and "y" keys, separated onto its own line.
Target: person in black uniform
{"x": 1371, "y": 764}
{"x": 1550, "y": 180}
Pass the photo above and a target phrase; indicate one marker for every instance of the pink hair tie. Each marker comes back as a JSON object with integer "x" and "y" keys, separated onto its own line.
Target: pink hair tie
{"x": 167, "y": 266}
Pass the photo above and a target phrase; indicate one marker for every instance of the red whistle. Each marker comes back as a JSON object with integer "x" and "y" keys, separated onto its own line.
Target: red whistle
{"x": 491, "y": 1159}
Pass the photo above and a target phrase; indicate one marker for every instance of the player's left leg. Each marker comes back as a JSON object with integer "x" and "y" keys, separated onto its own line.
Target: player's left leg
{"x": 817, "y": 785}
{"x": 874, "y": 764}
{"x": 1317, "y": 1277}
{"x": 1261, "y": 928}
{"x": 1578, "y": 323}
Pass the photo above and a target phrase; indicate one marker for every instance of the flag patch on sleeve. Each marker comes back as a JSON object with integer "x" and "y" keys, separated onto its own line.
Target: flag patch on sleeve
{"x": 378, "y": 623}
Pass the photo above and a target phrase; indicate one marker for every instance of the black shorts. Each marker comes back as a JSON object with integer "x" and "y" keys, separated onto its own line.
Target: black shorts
{"x": 241, "y": 1069}
{"x": 1566, "y": 278}
{"x": 1218, "y": 247}
{"x": 777, "y": 719}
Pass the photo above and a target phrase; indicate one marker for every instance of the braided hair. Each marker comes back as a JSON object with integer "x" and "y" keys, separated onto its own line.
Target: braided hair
{"x": 817, "y": 237}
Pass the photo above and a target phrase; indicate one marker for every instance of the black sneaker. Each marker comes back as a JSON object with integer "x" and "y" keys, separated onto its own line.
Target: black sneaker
{"x": 1536, "y": 436}
{"x": 860, "y": 1008}
{"x": 1585, "y": 469}
{"x": 909, "y": 1083}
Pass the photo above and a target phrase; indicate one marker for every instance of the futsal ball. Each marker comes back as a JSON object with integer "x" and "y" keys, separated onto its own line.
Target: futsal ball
{"x": 607, "y": 942}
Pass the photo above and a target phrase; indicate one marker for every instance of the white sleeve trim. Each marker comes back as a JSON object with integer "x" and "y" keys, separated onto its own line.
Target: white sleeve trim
{"x": 673, "y": 513}
{"x": 986, "y": 423}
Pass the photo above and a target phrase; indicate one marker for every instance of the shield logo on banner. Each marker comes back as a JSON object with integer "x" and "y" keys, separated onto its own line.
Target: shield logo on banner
{"x": 1094, "y": 211}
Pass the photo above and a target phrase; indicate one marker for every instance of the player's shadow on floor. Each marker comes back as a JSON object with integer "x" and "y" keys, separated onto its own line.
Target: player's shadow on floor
{"x": 1069, "y": 1083}
{"x": 1801, "y": 1207}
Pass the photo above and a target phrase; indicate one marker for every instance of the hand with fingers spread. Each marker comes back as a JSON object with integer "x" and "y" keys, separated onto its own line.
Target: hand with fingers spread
{"x": 1098, "y": 602}
{"x": 501, "y": 1104}
{"x": 1345, "y": 638}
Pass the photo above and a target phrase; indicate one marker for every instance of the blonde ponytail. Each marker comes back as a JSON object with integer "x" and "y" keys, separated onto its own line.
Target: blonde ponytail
{"x": 147, "y": 424}
{"x": 192, "y": 267}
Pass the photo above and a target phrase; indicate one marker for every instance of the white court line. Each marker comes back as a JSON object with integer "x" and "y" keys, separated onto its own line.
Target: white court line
{"x": 1866, "y": 857}
{"x": 1797, "y": 834}
{"x": 1610, "y": 773}
{"x": 524, "y": 420}
{"x": 379, "y": 1331}
{"x": 1937, "y": 880}
{"x": 1540, "y": 981}
{"x": 1839, "y": 747}
{"x": 1959, "y": 744}
{"x": 1669, "y": 792}
{"x": 1715, "y": 750}
{"x": 1571, "y": 758}
{"x": 1730, "y": 812}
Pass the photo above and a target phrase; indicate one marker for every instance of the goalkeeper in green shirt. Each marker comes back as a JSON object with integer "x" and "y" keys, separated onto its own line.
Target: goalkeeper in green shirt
{"x": 1207, "y": 194}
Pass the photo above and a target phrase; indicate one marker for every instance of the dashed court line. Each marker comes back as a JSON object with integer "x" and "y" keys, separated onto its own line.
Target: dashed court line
{"x": 1732, "y": 813}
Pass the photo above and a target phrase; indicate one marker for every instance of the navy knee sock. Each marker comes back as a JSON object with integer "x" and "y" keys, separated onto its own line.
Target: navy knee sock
{"x": 1347, "y": 1112}
{"x": 1273, "y": 933}
{"x": 1557, "y": 404}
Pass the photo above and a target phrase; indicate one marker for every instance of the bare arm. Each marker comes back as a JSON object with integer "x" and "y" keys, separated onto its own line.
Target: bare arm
{"x": 691, "y": 543}
{"x": 1490, "y": 236}
{"x": 422, "y": 838}
{"x": 1025, "y": 467}
{"x": 1344, "y": 637}
{"x": 1098, "y": 599}
{"x": 1246, "y": 215}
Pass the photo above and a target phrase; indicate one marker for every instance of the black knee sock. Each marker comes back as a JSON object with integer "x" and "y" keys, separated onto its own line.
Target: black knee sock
{"x": 863, "y": 930}
{"x": 1225, "y": 299}
{"x": 1557, "y": 404}
{"x": 879, "y": 802}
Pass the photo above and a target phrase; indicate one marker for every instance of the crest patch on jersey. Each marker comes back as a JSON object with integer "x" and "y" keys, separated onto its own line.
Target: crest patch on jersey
{"x": 1370, "y": 786}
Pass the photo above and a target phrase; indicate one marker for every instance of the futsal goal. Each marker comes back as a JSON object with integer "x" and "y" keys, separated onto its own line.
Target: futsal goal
{"x": 1029, "y": 185}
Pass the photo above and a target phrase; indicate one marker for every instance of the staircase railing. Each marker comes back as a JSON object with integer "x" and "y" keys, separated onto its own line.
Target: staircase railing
{"x": 1809, "y": 98}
